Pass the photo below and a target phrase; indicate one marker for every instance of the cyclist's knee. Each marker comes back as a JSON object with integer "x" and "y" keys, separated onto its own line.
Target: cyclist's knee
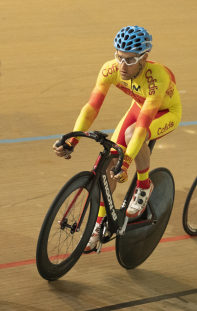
{"x": 129, "y": 133}
{"x": 112, "y": 182}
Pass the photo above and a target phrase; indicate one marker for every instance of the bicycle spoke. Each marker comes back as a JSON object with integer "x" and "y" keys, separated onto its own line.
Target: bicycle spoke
{"x": 63, "y": 238}
{"x": 61, "y": 241}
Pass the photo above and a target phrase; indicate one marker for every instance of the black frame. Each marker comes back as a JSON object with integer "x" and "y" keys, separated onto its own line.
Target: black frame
{"x": 115, "y": 217}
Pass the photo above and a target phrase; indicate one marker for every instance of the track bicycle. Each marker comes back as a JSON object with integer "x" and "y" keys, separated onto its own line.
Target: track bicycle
{"x": 71, "y": 218}
{"x": 190, "y": 211}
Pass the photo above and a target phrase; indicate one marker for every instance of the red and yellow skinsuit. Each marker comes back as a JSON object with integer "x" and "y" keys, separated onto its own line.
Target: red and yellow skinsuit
{"x": 155, "y": 107}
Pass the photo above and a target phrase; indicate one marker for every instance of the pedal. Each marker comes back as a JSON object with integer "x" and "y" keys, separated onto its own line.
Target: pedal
{"x": 121, "y": 231}
{"x": 99, "y": 248}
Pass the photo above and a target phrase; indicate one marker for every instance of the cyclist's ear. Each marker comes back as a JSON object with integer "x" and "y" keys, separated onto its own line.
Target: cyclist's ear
{"x": 145, "y": 57}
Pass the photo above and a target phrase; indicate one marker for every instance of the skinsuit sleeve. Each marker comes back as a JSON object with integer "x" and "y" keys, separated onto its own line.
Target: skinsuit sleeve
{"x": 90, "y": 111}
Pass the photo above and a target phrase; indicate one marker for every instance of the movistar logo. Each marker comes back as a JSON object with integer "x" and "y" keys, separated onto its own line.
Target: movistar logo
{"x": 137, "y": 89}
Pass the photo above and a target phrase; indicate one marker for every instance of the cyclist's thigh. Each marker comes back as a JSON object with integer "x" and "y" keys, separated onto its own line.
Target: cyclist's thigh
{"x": 129, "y": 118}
{"x": 163, "y": 124}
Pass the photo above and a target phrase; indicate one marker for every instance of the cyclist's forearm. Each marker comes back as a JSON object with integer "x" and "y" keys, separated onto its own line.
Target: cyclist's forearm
{"x": 89, "y": 112}
{"x": 85, "y": 119}
{"x": 146, "y": 116}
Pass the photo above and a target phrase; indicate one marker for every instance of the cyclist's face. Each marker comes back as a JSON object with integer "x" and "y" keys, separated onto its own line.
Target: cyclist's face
{"x": 129, "y": 72}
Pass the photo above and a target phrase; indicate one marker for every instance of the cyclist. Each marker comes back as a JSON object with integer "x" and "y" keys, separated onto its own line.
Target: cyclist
{"x": 155, "y": 111}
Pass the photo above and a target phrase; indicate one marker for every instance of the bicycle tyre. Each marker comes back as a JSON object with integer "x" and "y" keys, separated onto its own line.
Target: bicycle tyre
{"x": 187, "y": 212}
{"x": 55, "y": 238}
{"x": 136, "y": 245}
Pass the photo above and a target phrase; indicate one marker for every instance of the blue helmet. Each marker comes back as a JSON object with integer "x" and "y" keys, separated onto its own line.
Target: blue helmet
{"x": 133, "y": 39}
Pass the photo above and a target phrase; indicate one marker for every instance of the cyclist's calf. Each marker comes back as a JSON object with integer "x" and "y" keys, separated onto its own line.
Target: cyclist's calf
{"x": 112, "y": 182}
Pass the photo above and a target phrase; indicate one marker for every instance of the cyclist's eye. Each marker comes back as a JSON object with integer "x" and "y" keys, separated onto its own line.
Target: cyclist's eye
{"x": 119, "y": 57}
{"x": 130, "y": 60}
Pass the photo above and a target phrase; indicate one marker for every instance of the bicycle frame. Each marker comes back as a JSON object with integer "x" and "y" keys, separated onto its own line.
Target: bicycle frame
{"x": 116, "y": 218}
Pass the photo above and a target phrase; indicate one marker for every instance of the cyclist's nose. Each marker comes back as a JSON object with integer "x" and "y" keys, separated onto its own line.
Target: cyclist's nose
{"x": 123, "y": 64}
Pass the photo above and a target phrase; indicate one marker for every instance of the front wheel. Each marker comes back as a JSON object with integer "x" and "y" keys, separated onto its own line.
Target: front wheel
{"x": 190, "y": 211}
{"x": 67, "y": 227}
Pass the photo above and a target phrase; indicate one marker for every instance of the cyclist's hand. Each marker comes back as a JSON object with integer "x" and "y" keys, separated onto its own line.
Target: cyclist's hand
{"x": 63, "y": 151}
{"x": 121, "y": 176}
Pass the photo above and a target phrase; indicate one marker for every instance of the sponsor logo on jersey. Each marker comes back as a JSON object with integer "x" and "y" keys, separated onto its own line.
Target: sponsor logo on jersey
{"x": 170, "y": 92}
{"x": 139, "y": 99}
{"x": 151, "y": 82}
{"x": 165, "y": 128}
{"x": 137, "y": 89}
{"x": 110, "y": 70}
{"x": 126, "y": 84}
{"x": 127, "y": 158}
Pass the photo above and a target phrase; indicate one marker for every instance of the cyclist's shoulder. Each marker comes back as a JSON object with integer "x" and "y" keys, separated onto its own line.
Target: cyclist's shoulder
{"x": 110, "y": 67}
{"x": 158, "y": 71}
{"x": 155, "y": 67}
{"x": 109, "y": 73}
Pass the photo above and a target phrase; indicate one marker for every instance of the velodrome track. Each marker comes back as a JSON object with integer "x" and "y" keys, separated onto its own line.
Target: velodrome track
{"x": 50, "y": 56}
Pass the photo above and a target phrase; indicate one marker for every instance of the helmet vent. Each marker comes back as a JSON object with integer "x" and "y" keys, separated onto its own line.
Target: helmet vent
{"x": 126, "y": 37}
{"x": 128, "y": 49}
{"x": 129, "y": 43}
{"x": 137, "y": 45}
{"x": 132, "y": 37}
{"x": 123, "y": 45}
{"x": 130, "y": 31}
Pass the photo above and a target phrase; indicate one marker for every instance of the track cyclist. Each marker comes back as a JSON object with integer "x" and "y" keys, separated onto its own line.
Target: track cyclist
{"x": 155, "y": 111}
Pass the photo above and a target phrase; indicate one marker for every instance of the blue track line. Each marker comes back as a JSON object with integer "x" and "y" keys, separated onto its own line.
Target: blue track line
{"x": 19, "y": 140}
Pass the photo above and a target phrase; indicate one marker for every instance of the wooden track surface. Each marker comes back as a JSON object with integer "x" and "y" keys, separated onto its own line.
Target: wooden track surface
{"x": 51, "y": 53}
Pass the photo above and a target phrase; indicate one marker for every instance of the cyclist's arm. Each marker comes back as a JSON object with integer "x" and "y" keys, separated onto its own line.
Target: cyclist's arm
{"x": 90, "y": 111}
{"x": 146, "y": 116}
{"x": 86, "y": 117}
